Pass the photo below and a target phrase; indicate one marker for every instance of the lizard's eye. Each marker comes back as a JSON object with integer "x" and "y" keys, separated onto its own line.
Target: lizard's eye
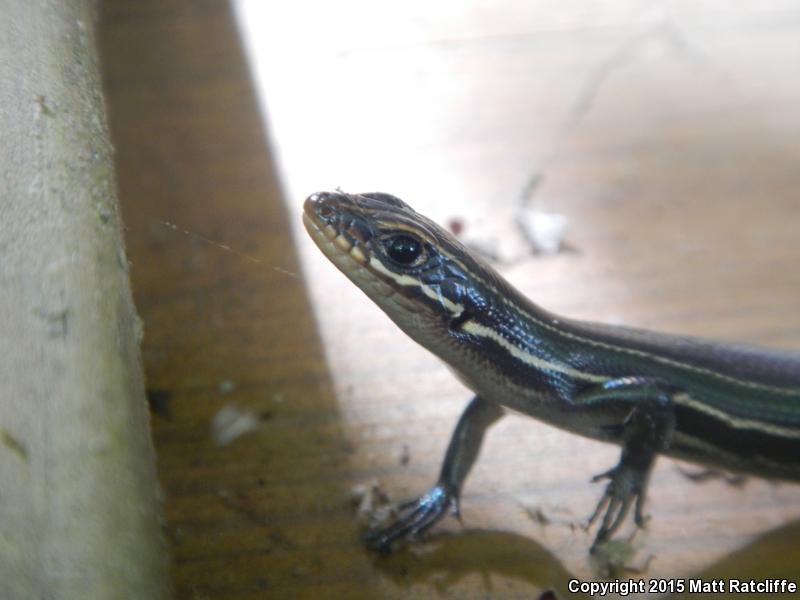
{"x": 404, "y": 249}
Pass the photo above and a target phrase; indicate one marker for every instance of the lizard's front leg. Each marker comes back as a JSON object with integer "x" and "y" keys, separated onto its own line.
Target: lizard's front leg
{"x": 421, "y": 514}
{"x": 646, "y": 431}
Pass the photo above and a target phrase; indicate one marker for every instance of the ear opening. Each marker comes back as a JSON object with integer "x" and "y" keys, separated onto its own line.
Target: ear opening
{"x": 458, "y": 321}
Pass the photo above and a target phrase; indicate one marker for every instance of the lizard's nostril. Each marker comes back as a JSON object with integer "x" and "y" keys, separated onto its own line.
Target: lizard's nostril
{"x": 320, "y": 204}
{"x": 324, "y": 210}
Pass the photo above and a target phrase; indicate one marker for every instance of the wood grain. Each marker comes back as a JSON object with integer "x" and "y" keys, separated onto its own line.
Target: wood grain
{"x": 669, "y": 139}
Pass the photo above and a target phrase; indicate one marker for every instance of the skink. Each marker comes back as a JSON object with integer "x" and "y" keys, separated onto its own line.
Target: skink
{"x": 721, "y": 405}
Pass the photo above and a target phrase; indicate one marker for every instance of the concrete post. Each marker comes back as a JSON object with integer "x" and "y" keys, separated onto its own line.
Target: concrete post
{"x": 78, "y": 491}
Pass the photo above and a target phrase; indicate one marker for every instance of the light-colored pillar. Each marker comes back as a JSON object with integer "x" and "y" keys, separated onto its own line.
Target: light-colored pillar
{"x": 79, "y": 511}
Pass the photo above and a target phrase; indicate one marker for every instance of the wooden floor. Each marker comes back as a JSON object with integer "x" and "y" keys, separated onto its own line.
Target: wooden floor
{"x": 669, "y": 140}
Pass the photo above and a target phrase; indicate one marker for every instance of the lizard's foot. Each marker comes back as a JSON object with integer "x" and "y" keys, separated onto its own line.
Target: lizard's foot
{"x": 625, "y": 488}
{"x": 416, "y": 517}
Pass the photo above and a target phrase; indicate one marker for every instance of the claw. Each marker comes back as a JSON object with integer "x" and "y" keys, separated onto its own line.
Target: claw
{"x": 638, "y": 517}
{"x": 604, "y": 475}
{"x": 455, "y": 510}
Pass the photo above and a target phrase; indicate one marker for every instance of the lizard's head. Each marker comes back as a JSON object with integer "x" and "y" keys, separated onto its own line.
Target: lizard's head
{"x": 412, "y": 268}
